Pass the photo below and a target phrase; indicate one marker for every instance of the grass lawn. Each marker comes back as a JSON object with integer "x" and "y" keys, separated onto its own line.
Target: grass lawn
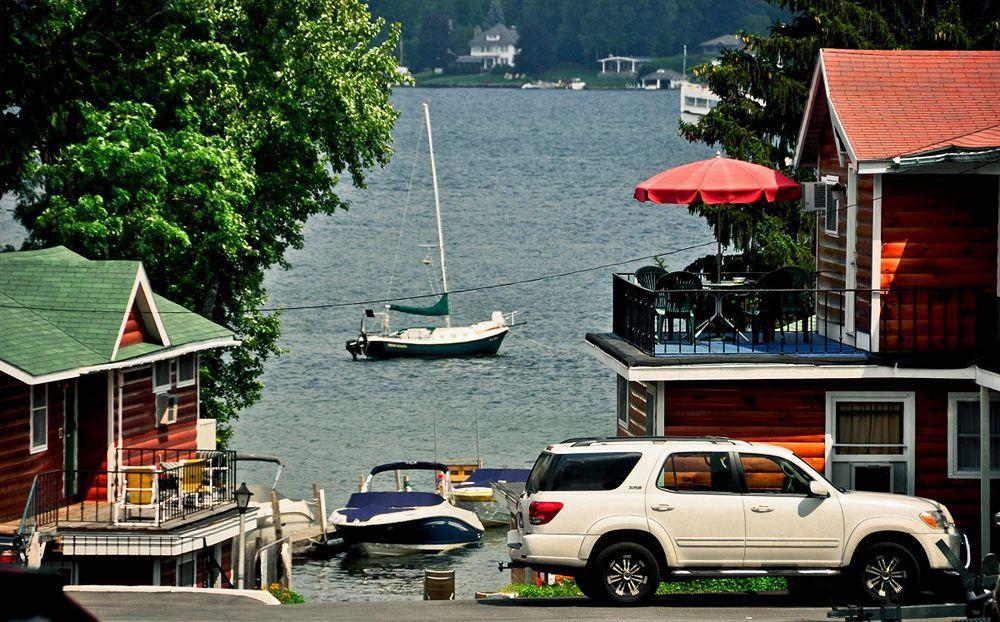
{"x": 699, "y": 586}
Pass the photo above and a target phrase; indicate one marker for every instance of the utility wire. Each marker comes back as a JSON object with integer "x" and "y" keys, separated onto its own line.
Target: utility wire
{"x": 355, "y": 303}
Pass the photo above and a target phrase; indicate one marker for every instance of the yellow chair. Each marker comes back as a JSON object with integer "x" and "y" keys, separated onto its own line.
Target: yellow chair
{"x": 139, "y": 491}
{"x": 194, "y": 477}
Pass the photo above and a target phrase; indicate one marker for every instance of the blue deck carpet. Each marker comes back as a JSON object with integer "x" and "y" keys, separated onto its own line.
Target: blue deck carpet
{"x": 817, "y": 345}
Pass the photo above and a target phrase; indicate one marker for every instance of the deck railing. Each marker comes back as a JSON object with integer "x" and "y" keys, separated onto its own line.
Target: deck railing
{"x": 151, "y": 487}
{"x": 959, "y": 321}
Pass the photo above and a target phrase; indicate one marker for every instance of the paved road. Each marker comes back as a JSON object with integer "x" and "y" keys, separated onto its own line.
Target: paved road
{"x": 195, "y": 607}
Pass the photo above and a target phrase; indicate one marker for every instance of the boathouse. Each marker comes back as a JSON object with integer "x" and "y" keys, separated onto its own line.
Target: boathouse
{"x": 873, "y": 367}
{"x": 107, "y": 471}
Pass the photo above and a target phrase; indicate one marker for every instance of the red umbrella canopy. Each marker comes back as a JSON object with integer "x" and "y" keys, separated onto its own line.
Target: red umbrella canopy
{"x": 718, "y": 180}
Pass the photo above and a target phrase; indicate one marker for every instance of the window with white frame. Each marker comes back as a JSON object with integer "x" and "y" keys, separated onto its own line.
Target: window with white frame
{"x": 39, "y": 405}
{"x": 963, "y": 435}
{"x": 161, "y": 376}
{"x": 871, "y": 438}
{"x": 622, "y": 401}
{"x": 832, "y": 215}
{"x": 187, "y": 369}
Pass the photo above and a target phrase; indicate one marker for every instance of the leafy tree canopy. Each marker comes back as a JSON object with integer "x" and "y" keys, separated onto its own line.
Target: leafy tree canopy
{"x": 196, "y": 136}
{"x": 764, "y": 86}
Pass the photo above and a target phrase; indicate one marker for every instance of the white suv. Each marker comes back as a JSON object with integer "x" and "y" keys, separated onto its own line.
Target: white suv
{"x": 622, "y": 514}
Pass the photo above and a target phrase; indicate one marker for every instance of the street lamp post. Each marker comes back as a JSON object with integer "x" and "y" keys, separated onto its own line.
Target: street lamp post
{"x": 242, "y": 498}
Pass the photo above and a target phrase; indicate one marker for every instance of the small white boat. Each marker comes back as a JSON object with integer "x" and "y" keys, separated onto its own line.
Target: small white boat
{"x": 405, "y": 522}
{"x": 577, "y": 85}
{"x": 476, "y": 494}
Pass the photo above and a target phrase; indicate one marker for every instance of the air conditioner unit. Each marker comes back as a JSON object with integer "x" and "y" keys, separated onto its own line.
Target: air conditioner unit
{"x": 166, "y": 408}
{"x": 816, "y": 195}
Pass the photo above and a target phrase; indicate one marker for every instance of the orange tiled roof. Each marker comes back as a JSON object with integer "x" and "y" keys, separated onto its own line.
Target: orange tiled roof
{"x": 905, "y": 102}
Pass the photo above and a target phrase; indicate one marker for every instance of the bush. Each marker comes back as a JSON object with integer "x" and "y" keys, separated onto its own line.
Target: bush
{"x": 568, "y": 588}
{"x": 284, "y": 595}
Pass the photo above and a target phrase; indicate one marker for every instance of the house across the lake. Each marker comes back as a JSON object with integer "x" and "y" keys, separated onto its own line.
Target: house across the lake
{"x": 713, "y": 47}
{"x": 662, "y": 79}
{"x": 872, "y": 368}
{"x": 106, "y": 469}
{"x": 491, "y": 47}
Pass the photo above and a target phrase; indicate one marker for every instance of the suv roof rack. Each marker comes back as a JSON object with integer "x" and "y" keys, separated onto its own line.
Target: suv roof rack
{"x": 590, "y": 440}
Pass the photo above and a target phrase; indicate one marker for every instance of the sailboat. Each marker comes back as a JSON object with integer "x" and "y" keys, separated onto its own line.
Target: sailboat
{"x": 482, "y": 338}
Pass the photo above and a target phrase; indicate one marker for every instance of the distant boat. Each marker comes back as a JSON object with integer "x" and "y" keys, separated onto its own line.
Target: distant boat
{"x": 696, "y": 101}
{"x": 482, "y": 338}
{"x": 406, "y": 522}
{"x": 476, "y": 494}
{"x": 577, "y": 85}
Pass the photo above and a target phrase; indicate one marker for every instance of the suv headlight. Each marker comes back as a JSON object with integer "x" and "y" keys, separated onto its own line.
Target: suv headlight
{"x": 935, "y": 519}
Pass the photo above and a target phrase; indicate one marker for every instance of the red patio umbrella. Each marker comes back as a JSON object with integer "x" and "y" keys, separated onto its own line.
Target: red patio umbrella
{"x": 718, "y": 181}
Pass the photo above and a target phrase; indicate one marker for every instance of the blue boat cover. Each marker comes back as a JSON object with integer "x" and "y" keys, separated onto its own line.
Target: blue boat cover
{"x": 409, "y": 466}
{"x": 364, "y": 506}
{"x": 485, "y": 477}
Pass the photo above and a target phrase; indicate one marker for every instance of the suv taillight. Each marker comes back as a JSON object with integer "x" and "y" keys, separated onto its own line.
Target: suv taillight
{"x": 541, "y": 512}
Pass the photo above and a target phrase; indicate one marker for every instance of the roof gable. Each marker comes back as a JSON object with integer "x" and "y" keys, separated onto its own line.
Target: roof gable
{"x": 896, "y": 103}
{"x": 60, "y": 311}
{"x": 495, "y": 35}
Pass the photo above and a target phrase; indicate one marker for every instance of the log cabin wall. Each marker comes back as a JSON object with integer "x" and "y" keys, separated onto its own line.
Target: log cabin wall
{"x": 863, "y": 246}
{"x": 792, "y": 414}
{"x": 938, "y": 231}
{"x": 18, "y": 466}
{"x": 636, "y": 411}
{"x": 831, "y": 248}
{"x": 141, "y": 427}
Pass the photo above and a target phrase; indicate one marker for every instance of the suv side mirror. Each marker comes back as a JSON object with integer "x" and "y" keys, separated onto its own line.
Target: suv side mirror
{"x": 818, "y": 489}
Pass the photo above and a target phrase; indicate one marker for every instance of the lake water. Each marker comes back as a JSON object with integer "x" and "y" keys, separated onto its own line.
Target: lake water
{"x": 532, "y": 183}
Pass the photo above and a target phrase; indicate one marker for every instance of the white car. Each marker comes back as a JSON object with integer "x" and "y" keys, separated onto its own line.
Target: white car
{"x": 622, "y": 514}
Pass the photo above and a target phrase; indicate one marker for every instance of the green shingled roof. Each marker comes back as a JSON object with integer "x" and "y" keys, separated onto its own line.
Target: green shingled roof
{"x": 60, "y": 311}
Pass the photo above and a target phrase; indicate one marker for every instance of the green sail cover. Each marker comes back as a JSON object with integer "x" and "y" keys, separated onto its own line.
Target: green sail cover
{"x": 438, "y": 308}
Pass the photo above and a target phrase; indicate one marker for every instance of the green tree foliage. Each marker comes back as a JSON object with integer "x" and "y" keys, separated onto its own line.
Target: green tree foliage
{"x": 434, "y": 41}
{"x": 535, "y": 53}
{"x": 196, "y": 136}
{"x": 775, "y": 69}
{"x": 580, "y": 31}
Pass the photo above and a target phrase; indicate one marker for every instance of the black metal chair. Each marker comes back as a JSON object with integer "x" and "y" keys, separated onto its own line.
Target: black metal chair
{"x": 775, "y": 308}
{"x": 673, "y": 302}
{"x": 647, "y": 276}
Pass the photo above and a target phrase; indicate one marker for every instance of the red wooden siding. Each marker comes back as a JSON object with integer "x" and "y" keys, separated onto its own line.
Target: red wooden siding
{"x": 135, "y": 329}
{"x": 140, "y": 426}
{"x": 793, "y": 414}
{"x": 636, "y": 411}
{"x": 18, "y": 466}
{"x": 936, "y": 233}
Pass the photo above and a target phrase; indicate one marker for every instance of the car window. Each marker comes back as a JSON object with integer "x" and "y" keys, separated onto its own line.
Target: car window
{"x": 702, "y": 471}
{"x": 767, "y": 475}
{"x": 583, "y": 471}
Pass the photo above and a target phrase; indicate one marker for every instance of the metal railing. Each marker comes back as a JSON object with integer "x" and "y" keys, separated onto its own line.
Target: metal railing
{"x": 749, "y": 320}
{"x": 151, "y": 487}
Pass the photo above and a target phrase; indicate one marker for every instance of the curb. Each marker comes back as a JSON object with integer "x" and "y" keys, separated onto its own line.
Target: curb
{"x": 265, "y": 598}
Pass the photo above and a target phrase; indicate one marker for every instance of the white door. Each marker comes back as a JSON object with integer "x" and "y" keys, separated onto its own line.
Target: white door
{"x": 786, "y": 526}
{"x": 696, "y": 501}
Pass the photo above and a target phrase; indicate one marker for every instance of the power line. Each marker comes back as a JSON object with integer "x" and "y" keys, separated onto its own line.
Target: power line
{"x": 356, "y": 303}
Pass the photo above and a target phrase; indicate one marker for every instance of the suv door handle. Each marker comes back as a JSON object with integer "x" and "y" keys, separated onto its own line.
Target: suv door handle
{"x": 762, "y": 509}
{"x": 662, "y": 507}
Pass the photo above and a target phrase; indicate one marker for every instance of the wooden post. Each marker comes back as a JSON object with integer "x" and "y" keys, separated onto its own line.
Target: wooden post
{"x": 319, "y": 497}
{"x": 984, "y": 471}
{"x": 276, "y": 516}
{"x": 399, "y": 483}
{"x": 361, "y": 483}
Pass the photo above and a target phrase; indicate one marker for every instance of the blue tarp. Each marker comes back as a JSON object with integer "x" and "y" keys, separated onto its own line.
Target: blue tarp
{"x": 485, "y": 477}
{"x": 364, "y": 506}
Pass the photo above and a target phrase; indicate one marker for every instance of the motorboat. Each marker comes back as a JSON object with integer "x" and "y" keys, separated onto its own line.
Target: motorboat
{"x": 405, "y": 521}
{"x": 476, "y": 494}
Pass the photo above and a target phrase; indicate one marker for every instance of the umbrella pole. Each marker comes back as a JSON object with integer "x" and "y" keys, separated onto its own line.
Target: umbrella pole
{"x": 718, "y": 251}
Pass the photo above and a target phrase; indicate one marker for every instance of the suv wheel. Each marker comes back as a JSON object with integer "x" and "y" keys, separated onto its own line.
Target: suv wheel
{"x": 624, "y": 574}
{"x": 887, "y": 572}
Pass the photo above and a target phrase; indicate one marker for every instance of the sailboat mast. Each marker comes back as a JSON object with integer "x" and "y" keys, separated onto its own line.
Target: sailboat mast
{"x": 437, "y": 206}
